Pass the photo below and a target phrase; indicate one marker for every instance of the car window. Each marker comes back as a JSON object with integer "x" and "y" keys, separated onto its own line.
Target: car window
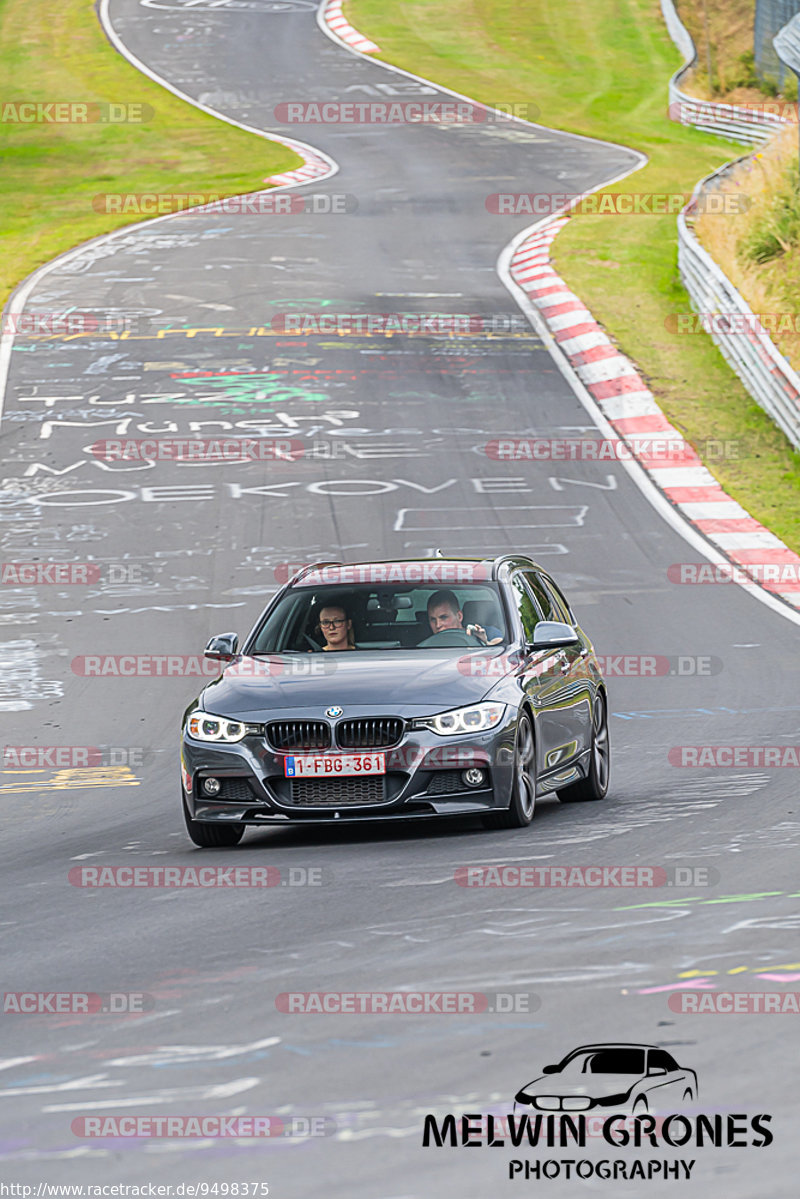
{"x": 529, "y": 612}
{"x": 659, "y": 1058}
{"x": 558, "y": 600}
{"x": 382, "y": 617}
{"x": 543, "y": 599}
{"x": 616, "y": 1061}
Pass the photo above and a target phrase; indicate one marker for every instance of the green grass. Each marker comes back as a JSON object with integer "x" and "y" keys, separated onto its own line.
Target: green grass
{"x": 605, "y": 74}
{"x": 56, "y": 51}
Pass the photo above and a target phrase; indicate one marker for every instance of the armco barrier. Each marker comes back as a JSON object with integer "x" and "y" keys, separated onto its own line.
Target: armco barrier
{"x": 752, "y": 354}
{"x": 766, "y": 374}
{"x": 726, "y": 120}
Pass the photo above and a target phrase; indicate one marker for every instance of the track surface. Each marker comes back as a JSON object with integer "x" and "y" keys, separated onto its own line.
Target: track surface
{"x": 408, "y": 418}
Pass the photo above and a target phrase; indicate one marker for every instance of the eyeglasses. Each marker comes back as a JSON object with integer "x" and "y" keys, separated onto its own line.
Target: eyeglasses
{"x": 331, "y": 624}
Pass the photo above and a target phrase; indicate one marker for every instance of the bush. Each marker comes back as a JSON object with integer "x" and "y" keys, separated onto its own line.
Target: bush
{"x": 777, "y": 231}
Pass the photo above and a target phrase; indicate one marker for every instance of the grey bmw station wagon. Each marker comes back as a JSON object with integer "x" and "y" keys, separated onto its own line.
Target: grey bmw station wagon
{"x": 385, "y": 690}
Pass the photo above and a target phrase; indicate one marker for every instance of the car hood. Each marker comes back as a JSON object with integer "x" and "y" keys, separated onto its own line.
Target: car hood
{"x": 387, "y": 681}
{"x": 596, "y": 1085}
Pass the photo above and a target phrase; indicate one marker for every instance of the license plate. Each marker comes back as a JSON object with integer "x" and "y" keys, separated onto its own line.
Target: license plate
{"x": 331, "y": 766}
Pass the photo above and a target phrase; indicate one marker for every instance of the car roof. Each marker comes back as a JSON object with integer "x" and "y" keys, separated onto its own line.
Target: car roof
{"x": 367, "y": 571}
{"x": 611, "y": 1045}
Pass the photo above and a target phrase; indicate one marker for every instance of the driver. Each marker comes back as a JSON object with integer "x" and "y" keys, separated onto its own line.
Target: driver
{"x": 444, "y": 613}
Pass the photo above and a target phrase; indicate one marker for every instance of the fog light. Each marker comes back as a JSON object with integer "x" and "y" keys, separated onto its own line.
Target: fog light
{"x": 212, "y": 786}
{"x": 474, "y": 777}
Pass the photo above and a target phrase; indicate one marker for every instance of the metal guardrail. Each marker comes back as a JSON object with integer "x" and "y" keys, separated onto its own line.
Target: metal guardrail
{"x": 749, "y": 126}
{"x": 730, "y": 321}
{"x": 770, "y": 17}
{"x": 735, "y": 329}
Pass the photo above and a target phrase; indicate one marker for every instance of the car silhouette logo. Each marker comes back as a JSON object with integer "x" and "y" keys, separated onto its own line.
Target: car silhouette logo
{"x": 334, "y": 711}
{"x": 619, "y": 1075}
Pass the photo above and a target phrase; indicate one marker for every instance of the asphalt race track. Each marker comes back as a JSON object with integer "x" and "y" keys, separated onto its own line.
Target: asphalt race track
{"x": 394, "y": 432}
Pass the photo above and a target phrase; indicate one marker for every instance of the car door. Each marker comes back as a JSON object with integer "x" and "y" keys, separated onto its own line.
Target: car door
{"x": 665, "y": 1088}
{"x": 575, "y": 699}
{"x": 542, "y": 676}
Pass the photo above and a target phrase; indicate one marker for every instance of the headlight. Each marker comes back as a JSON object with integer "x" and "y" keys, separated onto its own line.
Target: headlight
{"x": 204, "y": 727}
{"x": 478, "y": 718}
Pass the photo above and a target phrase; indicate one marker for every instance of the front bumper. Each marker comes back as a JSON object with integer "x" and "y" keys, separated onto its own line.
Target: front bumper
{"x": 423, "y": 779}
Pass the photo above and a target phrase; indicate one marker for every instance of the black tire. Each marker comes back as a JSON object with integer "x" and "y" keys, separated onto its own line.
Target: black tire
{"x": 212, "y": 836}
{"x": 595, "y": 785}
{"x": 523, "y": 787}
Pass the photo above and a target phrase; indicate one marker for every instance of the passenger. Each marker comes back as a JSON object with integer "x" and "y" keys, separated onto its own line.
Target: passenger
{"x": 444, "y": 613}
{"x": 337, "y": 628}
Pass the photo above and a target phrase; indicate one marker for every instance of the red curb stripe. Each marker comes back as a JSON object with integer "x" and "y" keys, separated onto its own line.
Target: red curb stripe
{"x": 615, "y": 387}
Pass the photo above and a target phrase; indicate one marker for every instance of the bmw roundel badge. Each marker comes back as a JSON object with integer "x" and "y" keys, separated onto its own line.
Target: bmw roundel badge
{"x": 334, "y": 711}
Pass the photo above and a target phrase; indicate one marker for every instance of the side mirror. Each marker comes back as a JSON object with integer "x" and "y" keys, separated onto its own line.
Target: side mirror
{"x": 222, "y": 647}
{"x": 550, "y": 634}
{"x": 550, "y": 1070}
{"x": 657, "y": 1070}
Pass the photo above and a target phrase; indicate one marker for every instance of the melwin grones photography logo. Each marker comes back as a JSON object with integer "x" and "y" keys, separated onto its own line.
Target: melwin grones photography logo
{"x": 621, "y": 1095}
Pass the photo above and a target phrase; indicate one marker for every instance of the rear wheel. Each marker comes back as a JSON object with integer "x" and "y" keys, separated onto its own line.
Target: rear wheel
{"x": 211, "y": 836}
{"x": 595, "y": 785}
{"x": 523, "y": 786}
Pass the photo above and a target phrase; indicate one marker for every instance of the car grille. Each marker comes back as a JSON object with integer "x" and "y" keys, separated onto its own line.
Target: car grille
{"x": 445, "y": 782}
{"x": 237, "y": 790}
{"x": 299, "y": 734}
{"x": 337, "y": 793}
{"x": 370, "y": 733}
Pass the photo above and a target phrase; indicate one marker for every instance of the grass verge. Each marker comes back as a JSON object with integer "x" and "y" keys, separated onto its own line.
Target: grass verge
{"x": 51, "y": 171}
{"x": 605, "y": 74}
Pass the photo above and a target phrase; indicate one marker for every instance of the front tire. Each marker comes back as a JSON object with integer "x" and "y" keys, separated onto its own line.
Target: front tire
{"x": 211, "y": 836}
{"x": 523, "y": 788}
{"x": 595, "y": 785}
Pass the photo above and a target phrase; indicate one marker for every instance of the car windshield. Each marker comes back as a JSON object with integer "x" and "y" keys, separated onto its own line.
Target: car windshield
{"x": 464, "y": 615}
{"x": 607, "y": 1061}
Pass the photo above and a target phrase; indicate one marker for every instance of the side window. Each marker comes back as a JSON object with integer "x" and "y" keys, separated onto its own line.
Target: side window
{"x": 659, "y": 1059}
{"x": 559, "y": 602}
{"x": 543, "y": 598}
{"x": 527, "y": 607}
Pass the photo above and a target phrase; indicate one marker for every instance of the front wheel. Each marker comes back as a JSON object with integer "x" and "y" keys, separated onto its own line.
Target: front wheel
{"x": 595, "y": 785}
{"x": 211, "y": 836}
{"x": 523, "y": 786}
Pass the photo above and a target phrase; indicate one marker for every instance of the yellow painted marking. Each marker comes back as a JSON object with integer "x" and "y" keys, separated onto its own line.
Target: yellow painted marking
{"x": 65, "y": 780}
{"x": 696, "y": 973}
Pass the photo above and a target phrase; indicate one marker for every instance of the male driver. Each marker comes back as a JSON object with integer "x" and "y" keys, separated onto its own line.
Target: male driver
{"x": 444, "y": 613}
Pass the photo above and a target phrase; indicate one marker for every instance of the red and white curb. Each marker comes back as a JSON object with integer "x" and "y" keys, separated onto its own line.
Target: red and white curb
{"x": 339, "y": 25}
{"x": 315, "y": 166}
{"x": 622, "y": 396}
